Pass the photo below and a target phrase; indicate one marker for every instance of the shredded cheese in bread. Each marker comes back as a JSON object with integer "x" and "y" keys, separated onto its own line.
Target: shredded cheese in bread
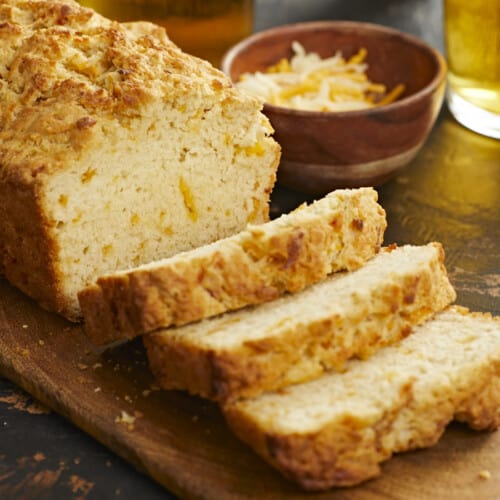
{"x": 308, "y": 82}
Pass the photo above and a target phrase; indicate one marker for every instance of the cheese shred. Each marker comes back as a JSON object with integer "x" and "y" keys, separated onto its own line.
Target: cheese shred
{"x": 308, "y": 82}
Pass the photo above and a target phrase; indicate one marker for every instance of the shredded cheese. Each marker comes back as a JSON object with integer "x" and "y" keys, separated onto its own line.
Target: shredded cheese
{"x": 308, "y": 82}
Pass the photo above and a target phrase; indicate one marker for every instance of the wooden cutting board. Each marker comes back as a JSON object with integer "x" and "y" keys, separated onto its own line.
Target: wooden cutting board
{"x": 182, "y": 442}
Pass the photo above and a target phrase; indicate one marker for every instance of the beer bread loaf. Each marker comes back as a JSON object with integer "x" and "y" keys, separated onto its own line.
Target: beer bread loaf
{"x": 338, "y": 232}
{"x": 300, "y": 336}
{"x": 335, "y": 431}
{"x": 116, "y": 149}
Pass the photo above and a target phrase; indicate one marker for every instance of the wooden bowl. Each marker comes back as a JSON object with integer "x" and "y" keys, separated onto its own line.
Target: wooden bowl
{"x": 322, "y": 151}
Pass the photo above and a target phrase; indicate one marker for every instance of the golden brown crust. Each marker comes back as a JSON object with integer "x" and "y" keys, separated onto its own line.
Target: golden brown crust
{"x": 23, "y": 239}
{"x": 348, "y": 451}
{"x": 344, "y": 455}
{"x": 340, "y": 454}
{"x": 65, "y": 69}
{"x": 258, "y": 265}
{"x": 481, "y": 411}
{"x": 298, "y": 353}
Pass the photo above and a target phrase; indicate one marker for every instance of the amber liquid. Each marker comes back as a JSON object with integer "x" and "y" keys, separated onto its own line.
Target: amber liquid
{"x": 204, "y": 28}
{"x": 472, "y": 29}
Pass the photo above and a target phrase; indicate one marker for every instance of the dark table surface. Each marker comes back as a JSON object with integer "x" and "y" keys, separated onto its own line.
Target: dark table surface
{"x": 450, "y": 193}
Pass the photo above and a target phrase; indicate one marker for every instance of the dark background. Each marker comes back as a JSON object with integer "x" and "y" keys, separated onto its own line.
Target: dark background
{"x": 422, "y": 18}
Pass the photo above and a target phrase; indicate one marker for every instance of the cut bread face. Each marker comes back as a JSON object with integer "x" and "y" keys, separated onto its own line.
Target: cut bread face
{"x": 341, "y": 231}
{"x": 116, "y": 149}
{"x": 335, "y": 431}
{"x": 298, "y": 337}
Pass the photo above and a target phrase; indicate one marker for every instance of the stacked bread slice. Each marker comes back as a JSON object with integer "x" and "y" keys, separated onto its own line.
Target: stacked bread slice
{"x": 326, "y": 353}
{"x": 335, "y": 431}
{"x": 300, "y": 336}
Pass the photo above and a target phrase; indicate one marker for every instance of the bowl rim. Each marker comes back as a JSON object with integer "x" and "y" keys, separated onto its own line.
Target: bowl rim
{"x": 435, "y": 82}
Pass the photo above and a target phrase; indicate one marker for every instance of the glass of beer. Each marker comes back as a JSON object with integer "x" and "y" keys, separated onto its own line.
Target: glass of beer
{"x": 204, "y": 28}
{"x": 472, "y": 35}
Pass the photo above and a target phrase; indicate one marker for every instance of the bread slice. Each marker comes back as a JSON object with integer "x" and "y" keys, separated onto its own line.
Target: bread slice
{"x": 300, "y": 336}
{"x": 335, "y": 431}
{"x": 116, "y": 149}
{"x": 340, "y": 231}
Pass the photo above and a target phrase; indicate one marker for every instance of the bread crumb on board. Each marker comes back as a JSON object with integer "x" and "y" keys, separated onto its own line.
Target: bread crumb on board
{"x": 23, "y": 352}
{"x": 126, "y": 420}
{"x": 484, "y": 474}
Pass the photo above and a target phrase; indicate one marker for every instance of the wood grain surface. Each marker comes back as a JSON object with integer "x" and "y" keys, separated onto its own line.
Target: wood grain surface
{"x": 183, "y": 442}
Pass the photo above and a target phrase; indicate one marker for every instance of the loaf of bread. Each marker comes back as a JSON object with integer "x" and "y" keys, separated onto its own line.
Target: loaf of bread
{"x": 298, "y": 337}
{"x": 335, "y": 431}
{"x": 116, "y": 149}
{"x": 340, "y": 231}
